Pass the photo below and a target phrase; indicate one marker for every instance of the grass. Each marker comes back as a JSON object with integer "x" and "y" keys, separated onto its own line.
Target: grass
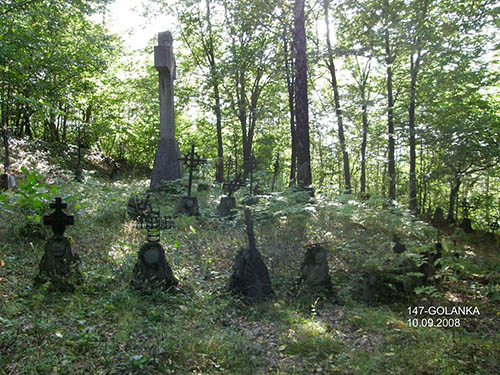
{"x": 106, "y": 327}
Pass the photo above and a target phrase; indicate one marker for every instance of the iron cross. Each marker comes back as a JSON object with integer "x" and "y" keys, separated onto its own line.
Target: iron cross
{"x": 58, "y": 219}
{"x": 191, "y": 160}
{"x": 233, "y": 185}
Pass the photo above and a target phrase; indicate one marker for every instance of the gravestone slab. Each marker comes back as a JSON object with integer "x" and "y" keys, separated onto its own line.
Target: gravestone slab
{"x": 250, "y": 277}
{"x": 438, "y": 219}
{"x": 397, "y": 246}
{"x": 314, "y": 271}
{"x": 226, "y": 207}
{"x": 189, "y": 206}
{"x": 466, "y": 225}
{"x": 60, "y": 265}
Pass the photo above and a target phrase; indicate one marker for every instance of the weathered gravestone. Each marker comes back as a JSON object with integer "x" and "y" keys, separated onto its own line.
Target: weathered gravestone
{"x": 152, "y": 269}
{"x": 466, "y": 223}
{"x": 189, "y": 204}
{"x": 438, "y": 219}
{"x": 397, "y": 246}
{"x": 250, "y": 277}
{"x": 60, "y": 265}
{"x": 166, "y": 164}
{"x": 228, "y": 203}
{"x": 314, "y": 271}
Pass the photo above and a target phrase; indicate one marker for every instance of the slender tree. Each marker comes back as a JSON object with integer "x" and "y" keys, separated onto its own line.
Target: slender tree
{"x": 336, "y": 98}
{"x": 304, "y": 176}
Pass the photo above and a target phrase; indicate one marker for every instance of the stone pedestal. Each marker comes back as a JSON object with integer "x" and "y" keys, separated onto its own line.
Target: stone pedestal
{"x": 250, "y": 276}
{"x": 152, "y": 269}
{"x": 226, "y": 206}
{"x": 314, "y": 271}
{"x": 60, "y": 265}
{"x": 189, "y": 206}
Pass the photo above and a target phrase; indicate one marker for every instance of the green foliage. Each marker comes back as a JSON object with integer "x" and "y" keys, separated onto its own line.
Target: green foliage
{"x": 33, "y": 195}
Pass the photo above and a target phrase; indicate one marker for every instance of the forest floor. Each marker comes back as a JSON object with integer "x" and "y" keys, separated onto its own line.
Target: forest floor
{"x": 107, "y": 327}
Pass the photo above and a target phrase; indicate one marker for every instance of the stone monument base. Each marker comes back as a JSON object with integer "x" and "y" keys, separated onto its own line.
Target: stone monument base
{"x": 167, "y": 166}
{"x": 152, "y": 269}
{"x": 189, "y": 206}
{"x": 226, "y": 206}
{"x": 60, "y": 265}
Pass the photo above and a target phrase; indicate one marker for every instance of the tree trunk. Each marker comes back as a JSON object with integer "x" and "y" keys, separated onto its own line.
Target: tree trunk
{"x": 391, "y": 165}
{"x": 5, "y": 130}
{"x": 414, "y": 65}
{"x": 336, "y": 99}
{"x": 289, "y": 74}
{"x": 364, "y": 115}
{"x": 219, "y": 174}
{"x": 304, "y": 176}
{"x": 455, "y": 187}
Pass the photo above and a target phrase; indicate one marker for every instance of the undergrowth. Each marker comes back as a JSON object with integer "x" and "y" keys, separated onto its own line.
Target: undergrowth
{"x": 106, "y": 327}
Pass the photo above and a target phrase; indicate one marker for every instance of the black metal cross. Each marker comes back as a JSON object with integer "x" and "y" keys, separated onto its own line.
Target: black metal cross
{"x": 191, "y": 160}
{"x": 154, "y": 223}
{"x": 233, "y": 185}
{"x": 58, "y": 219}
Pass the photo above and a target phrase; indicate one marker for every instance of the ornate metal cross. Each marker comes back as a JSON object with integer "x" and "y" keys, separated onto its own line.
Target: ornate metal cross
{"x": 233, "y": 185}
{"x": 58, "y": 219}
{"x": 191, "y": 160}
{"x": 154, "y": 223}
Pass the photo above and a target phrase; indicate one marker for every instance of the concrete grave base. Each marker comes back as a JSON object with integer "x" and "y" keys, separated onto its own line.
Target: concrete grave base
{"x": 226, "y": 206}
{"x": 60, "y": 265}
{"x": 152, "y": 269}
{"x": 189, "y": 206}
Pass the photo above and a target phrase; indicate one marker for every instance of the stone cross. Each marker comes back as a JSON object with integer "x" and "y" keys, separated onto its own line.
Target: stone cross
{"x": 166, "y": 164}
{"x": 191, "y": 161}
{"x": 58, "y": 219}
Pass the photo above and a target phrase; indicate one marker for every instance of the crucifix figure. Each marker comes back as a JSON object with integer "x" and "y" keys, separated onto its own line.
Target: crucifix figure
{"x": 191, "y": 161}
{"x": 58, "y": 220}
{"x": 166, "y": 164}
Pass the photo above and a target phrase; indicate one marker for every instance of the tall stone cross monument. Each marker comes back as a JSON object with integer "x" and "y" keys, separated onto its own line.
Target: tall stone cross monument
{"x": 166, "y": 165}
